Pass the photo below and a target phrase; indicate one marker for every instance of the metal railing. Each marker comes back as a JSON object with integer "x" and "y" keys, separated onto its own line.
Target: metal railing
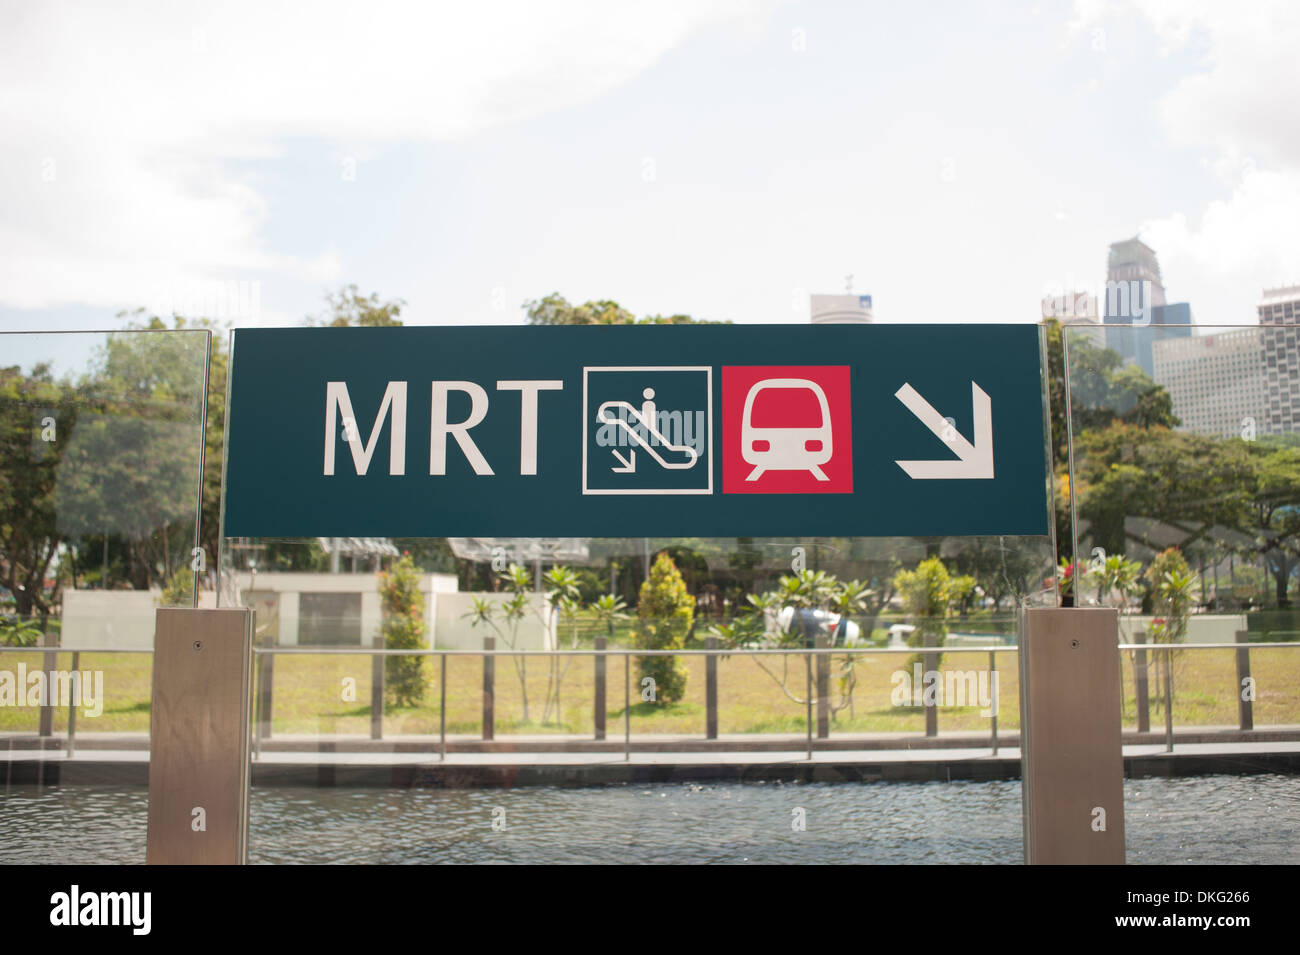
{"x": 711, "y": 655}
{"x": 818, "y": 672}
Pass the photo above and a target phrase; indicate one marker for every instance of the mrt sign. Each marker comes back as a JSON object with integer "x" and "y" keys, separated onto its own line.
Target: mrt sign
{"x": 632, "y": 431}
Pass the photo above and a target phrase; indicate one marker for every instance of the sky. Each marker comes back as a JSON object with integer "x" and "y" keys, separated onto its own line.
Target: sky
{"x": 956, "y": 161}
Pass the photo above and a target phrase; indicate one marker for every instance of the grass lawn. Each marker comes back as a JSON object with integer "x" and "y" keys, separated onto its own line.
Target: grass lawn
{"x": 331, "y": 694}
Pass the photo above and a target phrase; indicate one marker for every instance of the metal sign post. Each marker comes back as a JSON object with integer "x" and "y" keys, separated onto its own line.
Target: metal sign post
{"x": 199, "y": 737}
{"x": 1072, "y": 763}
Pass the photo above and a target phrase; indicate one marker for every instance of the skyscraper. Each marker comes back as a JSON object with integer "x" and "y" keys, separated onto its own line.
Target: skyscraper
{"x": 1215, "y": 382}
{"x": 1135, "y": 297}
{"x": 1279, "y": 318}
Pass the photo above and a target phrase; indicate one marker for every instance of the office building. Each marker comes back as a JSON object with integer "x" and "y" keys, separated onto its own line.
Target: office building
{"x": 1279, "y": 319}
{"x": 1135, "y": 298}
{"x": 1216, "y": 382}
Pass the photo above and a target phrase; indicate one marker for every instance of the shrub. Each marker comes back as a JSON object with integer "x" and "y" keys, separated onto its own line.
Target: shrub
{"x": 665, "y": 611}
{"x": 403, "y": 629}
{"x": 927, "y": 593}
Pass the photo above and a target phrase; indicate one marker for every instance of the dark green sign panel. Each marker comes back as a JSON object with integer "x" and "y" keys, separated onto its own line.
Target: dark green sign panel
{"x": 630, "y": 431}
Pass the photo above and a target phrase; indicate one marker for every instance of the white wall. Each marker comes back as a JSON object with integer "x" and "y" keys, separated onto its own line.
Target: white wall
{"x": 454, "y": 631}
{"x": 120, "y": 619}
{"x": 125, "y": 618}
{"x": 1201, "y": 627}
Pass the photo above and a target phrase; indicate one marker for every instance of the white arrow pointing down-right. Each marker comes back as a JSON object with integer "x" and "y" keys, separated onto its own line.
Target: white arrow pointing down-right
{"x": 974, "y": 461}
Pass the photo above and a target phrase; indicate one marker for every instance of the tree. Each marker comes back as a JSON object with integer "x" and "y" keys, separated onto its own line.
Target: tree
{"x": 806, "y": 590}
{"x": 1103, "y": 390}
{"x": 554, "y": 309}
{"x": 1191, "y": 482}
{"x": 665, "y": 613}
{"x": 1114, "y": 572}
{"x": 1274, "y": 511}
{"x": 37, "y": 417}
{"x": 1173, "y": 587}
{"x": 403, "y": 629}
{"x": 559, "y": 599}
{"x": 562, "y": 604}
{"x": 512, "y": 613}
{"x": 1001, "y": 569}
{"x": 348, "y": 307}
{"x": 927, "y": 594}
{"x": 131, "y": 464}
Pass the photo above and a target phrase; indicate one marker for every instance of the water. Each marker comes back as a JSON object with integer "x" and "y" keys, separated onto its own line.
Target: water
{"x": 1203, "y": 819}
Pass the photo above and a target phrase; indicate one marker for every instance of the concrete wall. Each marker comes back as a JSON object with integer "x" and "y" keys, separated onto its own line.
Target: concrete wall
{"x": 1201, "y": 627}
{"x": 289, "y": 588}
{"x": 454, "y": 631}
{"x": 121, "y": 619}
{"x": 125, "y": 618}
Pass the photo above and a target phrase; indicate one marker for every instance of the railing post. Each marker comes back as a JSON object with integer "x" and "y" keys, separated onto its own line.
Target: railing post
{"x": 1169, "y": 699}
{"x": 72, "y": 706}
{"x": 1143, "y": 701}
{"x": 442, "y": 706}
{"x": 931, "y": 665}
{"x": 1072, "y": 759}
{"x": 808, "y": 699}
{"x": 265, "y": 689}
{"x": 711, "y": 690}
{"x": 489, "y": 687}
{"x": 1245, "y": 708}
{"x": 47, "y": 704}
{"x": 377, "y": 689}
{"x": 823, "y": 689}
{"x": 599, "y": 694}
{"x": 199, "y": 737}
{"x": 993, "y": 699}
{"x": 627, "y": 707}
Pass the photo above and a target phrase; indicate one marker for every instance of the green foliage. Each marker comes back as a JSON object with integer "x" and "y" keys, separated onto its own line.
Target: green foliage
{"x": 29, "y": 470}
{"x": 179, "y": 591}
{"x": 1066, "y": 573}
{"x": 403, "y": 629}
{"x": 348, "y": 307}
{"x": 1173, "y": 587}
{"x": 560, "y": 599}
{"x": 666, "y": 611}
{"x": 608, "y": 610}
{"x": 554, "y": 309}
{"x": 927, "y": 594}
{"x": 17, "y": 632}
{"x": 1114, "y": 573}
{"x": 1103, "y": 389}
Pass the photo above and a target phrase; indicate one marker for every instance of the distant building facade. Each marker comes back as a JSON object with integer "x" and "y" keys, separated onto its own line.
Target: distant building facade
{"x": 1216, "y": 382}
{"x": 841, "y": 309}
{"x": 1279, "y": 319}
{"x": 1135, "y": 296}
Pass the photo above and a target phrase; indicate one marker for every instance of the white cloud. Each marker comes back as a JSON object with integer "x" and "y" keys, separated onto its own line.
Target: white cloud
{"x": 122, "y": 122}
{"x": 1237, "y": 107}
{"x": 1241, "y": 245}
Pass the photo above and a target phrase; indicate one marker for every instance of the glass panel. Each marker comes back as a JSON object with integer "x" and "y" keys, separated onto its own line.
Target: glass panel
{"x": 101, "y": 462}
{"x": 1185, "y": 484}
